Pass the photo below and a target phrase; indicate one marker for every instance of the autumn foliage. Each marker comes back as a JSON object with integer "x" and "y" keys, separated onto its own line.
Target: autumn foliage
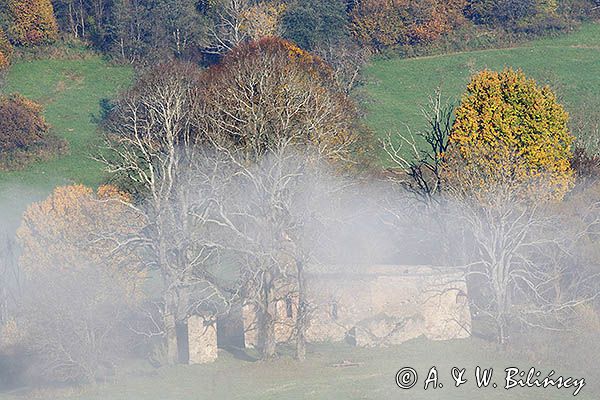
{"x": 510, "y": 131}
{"x": 380, "y": 24}
{"x": 76, "y": 226}
{"x": 24, "y": 133}
{"x": 32, "y": 22}
{"x": 262, "y": 19}
{"x": 81, "y": 285}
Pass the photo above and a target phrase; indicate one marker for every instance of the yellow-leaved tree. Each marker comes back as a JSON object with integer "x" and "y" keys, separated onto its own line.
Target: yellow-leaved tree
{"x": 510, "y": 132}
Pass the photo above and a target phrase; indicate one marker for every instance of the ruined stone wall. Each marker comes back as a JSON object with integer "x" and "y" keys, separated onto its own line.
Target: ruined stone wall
{"x": 202, "y": 338}
{"x": 376, "y": 306}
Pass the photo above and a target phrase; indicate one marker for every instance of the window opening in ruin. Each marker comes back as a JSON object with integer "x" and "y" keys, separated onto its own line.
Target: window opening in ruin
{"x": 334, "y": 310}
{"x": 289, "y": 311}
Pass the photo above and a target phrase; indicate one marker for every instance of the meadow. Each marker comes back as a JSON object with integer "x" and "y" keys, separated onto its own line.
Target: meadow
{"x": 71, "y": 92}
{"x": 237, "y": 375}
{"x": 397, "y": 89}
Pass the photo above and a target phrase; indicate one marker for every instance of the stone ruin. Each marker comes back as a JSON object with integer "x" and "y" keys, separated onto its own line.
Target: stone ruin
{"x": 364, "y": 306}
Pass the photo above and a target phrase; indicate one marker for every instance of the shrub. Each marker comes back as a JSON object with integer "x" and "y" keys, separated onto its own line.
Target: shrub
{"x": 500, "y": 12}
{"x": 6, "y": 51}
{"x": 32, "y": 22}
{"x": 579, "y": 9}
{"x": 24, "y": 133}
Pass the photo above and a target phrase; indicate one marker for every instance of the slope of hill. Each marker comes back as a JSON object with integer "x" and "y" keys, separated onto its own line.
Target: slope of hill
{"x": 570, "y": 64}
{"x": 71, "y": 92}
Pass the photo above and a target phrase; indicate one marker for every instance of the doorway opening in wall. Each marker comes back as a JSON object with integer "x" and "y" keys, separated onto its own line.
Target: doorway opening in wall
{"x": 230, "y": 329}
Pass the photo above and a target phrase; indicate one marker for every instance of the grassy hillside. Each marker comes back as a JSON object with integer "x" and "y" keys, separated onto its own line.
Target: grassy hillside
{"x": 319, "y": 379}
{"x": 398, "y": 88}
{"x": 71, "y": 91}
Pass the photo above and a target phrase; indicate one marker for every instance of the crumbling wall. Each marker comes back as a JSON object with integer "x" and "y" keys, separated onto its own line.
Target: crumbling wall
{"x": 376, "y": 306}
{"x": 285, "y": 312}
{"x": 202, "y": 339}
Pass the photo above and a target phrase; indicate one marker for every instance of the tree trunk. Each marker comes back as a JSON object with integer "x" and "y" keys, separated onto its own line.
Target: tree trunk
{"x": 301, "y": 317}
{"x": 267, "y": 342}
{"x": 170, "y": 316}
{"x": 171, "y": 339}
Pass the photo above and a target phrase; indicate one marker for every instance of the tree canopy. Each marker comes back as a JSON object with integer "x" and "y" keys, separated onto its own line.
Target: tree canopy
{"x": 32, "y": 22}
{"x": 509, "y": 130}
{"x": 270, "y": 91}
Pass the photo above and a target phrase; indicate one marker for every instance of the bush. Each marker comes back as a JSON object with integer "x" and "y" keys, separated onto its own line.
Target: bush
{"x": 24, "y": 133}
{"x": 579, "y": 10}
{"x": 500, "y": 12}
{"x": 6, "y": 51}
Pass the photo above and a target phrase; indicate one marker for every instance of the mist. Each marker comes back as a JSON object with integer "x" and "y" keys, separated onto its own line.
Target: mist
{"x": 114, "y": 281}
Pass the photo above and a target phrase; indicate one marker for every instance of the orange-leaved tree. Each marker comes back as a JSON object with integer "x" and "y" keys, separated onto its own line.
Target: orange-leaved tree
{"x": 6, "y": 50}
{"x": 82, "y": 286}
{"x": 270, "y": 92}
{"x": 76, "y": 226}
{"x": 510, "y": 132}
{"x": 32, "y": 22}
{"x": 380, "y": 24}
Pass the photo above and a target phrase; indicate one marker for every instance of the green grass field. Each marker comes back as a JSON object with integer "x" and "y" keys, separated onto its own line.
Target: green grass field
{"x": 397, "y": 89}
{"x": 71, "y": 91}
{"x": 318, "y": 379}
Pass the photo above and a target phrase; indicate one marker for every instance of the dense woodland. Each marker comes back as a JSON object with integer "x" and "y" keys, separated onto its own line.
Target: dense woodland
{"x": 239, "y": 156}
{"x": 133, "y": 31}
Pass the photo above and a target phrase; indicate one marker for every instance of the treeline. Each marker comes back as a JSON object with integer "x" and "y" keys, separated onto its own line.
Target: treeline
{"x": 135, "y": 30}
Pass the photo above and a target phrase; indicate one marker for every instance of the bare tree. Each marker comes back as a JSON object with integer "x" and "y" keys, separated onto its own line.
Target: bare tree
{"x": 155, "y": 148}
{"x": 269, "y": 93}
{"x": 419, "y": 158}
{"x": 417, "y": 162}
{"x": 228, "y": 31}
{"x": 276, "y": 112}
{"x": 347, "y": 60}
{"x": 517, "y": 258}
{"x": 273, "y": 217}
